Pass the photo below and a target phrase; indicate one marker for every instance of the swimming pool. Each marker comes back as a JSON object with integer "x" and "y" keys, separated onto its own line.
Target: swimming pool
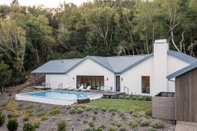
{"x": 56, "y": 97}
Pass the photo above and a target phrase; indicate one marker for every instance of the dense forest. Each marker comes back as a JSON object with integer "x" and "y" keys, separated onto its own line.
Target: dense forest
{"x": 31, "y": 36}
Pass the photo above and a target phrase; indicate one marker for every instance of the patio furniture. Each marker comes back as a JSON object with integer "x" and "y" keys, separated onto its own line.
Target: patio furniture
{"x": 65, "y": 88}
{"x": 79, "y": 89}
{"x": 71, "y": 88}
{"x": 87, "y": 89}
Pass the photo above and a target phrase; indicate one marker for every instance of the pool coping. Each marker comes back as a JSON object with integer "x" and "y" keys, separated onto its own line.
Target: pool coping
{"x": 23, "y": 97}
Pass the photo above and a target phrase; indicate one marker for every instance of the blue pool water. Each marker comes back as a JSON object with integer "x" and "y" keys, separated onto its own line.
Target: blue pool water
{"x": 60, "y": 95}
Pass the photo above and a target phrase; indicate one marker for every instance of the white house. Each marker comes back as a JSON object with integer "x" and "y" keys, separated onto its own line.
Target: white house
{"x": 136, "y": 74}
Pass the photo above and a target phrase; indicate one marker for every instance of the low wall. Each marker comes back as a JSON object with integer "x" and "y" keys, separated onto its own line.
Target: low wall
{"x": 163, "y": 106}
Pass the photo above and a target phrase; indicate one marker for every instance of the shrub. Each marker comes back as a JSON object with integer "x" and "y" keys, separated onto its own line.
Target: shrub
{"x": 91, "y": 124}
{"x": 148, "y": 112}
{"x": 141, "y": 115}
{"x": 29, "y": 110}
{"x": 127, "y": 97}
{"x": 25, "y": 116}
{"x": 11, "y": 105}
{"x": 88, "y": 108}
{"x": 55, "y": 111}
{"x": 28, "y": 127}
{"x": 40, "y": 109}
{"x": 119, "y": 123}
{"x": 54, "y": 107}
{"x": 36, "y": 122}
{"x": 75, "y": 106}
{"x": 61, "y": 125}
{"x": 111, "y": 109}
{"x": 12, "y": 124}
{"x": 133, "y": 123}
{"x": 95, "y": 112}
{"x": 87, "y": 128}
{"x": 103, "y": 109}
{"x": 130, "y": 111}
{"x": 134, "y": 115}
{"x": 44, "y": 118}
{"x": 151, "y": 129}
{"x": 134, "y": 98}
{"x": 107, "y": 97}
{"x": 68, "y": 106}
{"x": 113, "y": 113}
{"x": 85, "y": 121}
{"x": 112, "y": 122}
{"x": 2, "y": 119}
{"x": 93, "y": 118}
{"x": 79, "y": 110}
{"x": 144, "y": 123}
{"x": 121, "y": 96}
{"x": 16, "y": 113}
{"x": 123, "y": 128}
{"x": 40, "y": 114}
{"x": 111, "y": 128}
{"x": 141, "y": 119}
{"x": 30, "y": 106}
{"x": 140, "y": 98}
{"x": 82, "y": 106}
{"x": 95, "y": 108}
{"x": 147, "y": 98}
{"x": 72, "y": 110}
{"x": 157, "y": 124}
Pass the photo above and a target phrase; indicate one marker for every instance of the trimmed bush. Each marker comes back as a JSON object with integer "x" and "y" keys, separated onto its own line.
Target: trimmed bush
{"x": 134, "y": 98}
{"x": 141, "y": 119}
{"x": 134, "y": 115}
{"x": 157, "y": 124}
{"x": 141, "y": 115}
{"x": 2, "y": 119}
{"x": 103, "y": 109}
{"x": 93, "y": 118}
{"x": 82, "y": 106}
{"x": 29, "y": 110}
{"x": 111, "y": 128}
{"x": 102, "y": 126}
{"x": 133, "y": 123}
{"x": 12, "y": 124}
{"x": 72, "y": 110}
{"x": 144, "y": 123}
{"x": 44, "y": 118}
{"x": 148, "y": 98}
{"x": 151, "y": 129}
{"x": 111, "y": 109}
{"x": 148, "y": 112}
{"x": 119, "y": 123}
{"x": 140, "y": 98}
{"x": 80, "y": 110}
{"x": 127, "y": 97}
{"x": 28, "y": 127}
{"x": 91, "y": 124}
{"x": 130, "y": 111}
{"x": 121, "y": 97}
{"x": 87, "y": 128}
{"x": 88, "y": 108}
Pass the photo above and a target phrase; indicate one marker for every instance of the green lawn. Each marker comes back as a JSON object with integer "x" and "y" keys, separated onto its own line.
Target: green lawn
{"x": 136, "y": 105}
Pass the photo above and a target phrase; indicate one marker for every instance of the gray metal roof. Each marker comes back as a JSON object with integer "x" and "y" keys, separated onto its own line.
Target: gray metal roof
{"x": 182, "y": 71}
{"x": 56, "y": 66}
{"x": 182, "y": 56}
{"x": 115, "y": 64}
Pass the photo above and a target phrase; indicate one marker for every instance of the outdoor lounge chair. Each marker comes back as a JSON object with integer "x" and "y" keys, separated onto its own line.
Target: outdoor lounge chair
{"x": 66, "y": 87}
{"x": 79, "y": 89}
{"x": 87, "y": 89}
{"x": 71, "y": 88}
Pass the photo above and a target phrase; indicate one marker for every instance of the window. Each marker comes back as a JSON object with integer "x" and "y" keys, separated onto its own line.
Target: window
{"x": 145, "y": 84}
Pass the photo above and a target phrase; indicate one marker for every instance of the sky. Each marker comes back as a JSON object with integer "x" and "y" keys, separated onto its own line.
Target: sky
{"x": 47, "y": 3}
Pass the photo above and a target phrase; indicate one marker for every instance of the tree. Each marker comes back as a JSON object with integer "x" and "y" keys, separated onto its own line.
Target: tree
{"x": 13, "y": 43}
{"x": 5, "y": 74}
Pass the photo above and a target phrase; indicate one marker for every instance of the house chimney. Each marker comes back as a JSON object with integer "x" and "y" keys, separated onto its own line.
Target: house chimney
{"x": 160, "y": 65}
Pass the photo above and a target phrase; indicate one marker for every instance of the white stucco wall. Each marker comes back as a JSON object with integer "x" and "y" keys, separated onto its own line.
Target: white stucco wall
{"x": 91, "y": 68}
{"x": 132, "y": 77}
{"x": 56, "y": 79}
{"x": 174, "y": 64}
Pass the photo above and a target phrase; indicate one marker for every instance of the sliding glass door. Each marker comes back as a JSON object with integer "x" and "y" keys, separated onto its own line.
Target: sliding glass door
{"x": 94, "y": 81}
